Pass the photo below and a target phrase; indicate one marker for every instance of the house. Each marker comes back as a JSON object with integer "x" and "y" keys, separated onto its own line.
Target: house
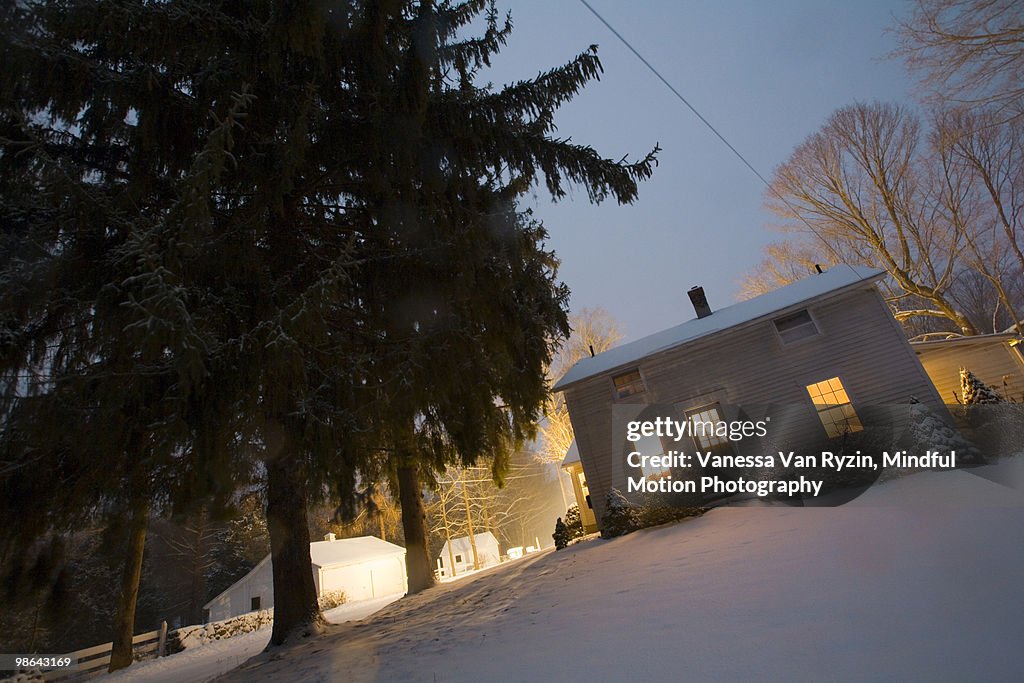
{"x": 572, "y": 465}
{"x": 995, "y": 359}
{"x": 456, "y": 556}
{"x": 827, "y": 347}
{"x": 363, "y": 568}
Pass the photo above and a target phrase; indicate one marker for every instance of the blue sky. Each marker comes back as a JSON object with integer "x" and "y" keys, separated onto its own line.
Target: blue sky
{"x": 766, "y": 74}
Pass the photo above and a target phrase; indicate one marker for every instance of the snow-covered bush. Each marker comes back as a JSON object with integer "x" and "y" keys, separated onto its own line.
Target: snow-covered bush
{"x": 656, "y": 514}
{"x": 331, "y": 599}
{"x": 574, "y": 523}
{"x": 928, "y": 431}
{"x": 620, "y": 516}
{"x": 561, "y": 535}
{"x": 976, "y": 392}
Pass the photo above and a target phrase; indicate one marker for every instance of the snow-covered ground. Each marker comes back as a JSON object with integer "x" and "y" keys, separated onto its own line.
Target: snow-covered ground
{"x": 919, "y": 579}
{"x": 211, "y": 660}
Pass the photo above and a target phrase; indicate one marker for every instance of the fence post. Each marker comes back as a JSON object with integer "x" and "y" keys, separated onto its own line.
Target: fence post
{"x": 161, "y": 648}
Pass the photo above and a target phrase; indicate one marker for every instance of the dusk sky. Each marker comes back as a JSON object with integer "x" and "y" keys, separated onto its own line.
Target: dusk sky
{"x": 765, "y": 74}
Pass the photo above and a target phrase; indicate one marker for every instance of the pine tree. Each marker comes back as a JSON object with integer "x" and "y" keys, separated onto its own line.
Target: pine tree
{"x": 302, "y": 264}
{"x": 478, "y": 314}
{"x": 976, "y": 392}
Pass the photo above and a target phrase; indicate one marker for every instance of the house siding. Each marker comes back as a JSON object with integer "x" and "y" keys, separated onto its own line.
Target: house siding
{"x": 859, "y": 341}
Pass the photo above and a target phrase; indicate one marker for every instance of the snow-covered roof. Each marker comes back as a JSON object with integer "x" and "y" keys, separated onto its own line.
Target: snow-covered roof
{"x": 832, "y": 280}
{"x": 572, "y": 455}
{"x": 344, "y": 551}
{"x": 970, "y": 340}
{"x": 462, "y": 544}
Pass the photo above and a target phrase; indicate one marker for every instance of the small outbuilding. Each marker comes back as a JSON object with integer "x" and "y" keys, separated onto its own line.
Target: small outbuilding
{"x": 456, "y": 555}
{"x": 995, "y": 359}
{"x": 363, "y": 568}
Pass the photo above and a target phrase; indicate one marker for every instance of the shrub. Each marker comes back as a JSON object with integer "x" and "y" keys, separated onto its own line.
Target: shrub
{"x": 620, "y": 516}
{"x": 574, "y": 523}
{"x": 561, "y": 534}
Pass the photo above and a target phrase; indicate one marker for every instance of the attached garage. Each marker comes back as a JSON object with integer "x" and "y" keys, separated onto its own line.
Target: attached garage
{"x": 364, "y": 568}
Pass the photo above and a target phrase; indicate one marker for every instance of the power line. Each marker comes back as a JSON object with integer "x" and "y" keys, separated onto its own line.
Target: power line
{"x": 675, "y": 92}
{"x": 707, "y": 123}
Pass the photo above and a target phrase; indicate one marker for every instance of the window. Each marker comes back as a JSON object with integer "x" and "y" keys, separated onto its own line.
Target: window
{"x": 254, "y": 604}
{"x": 650, "y": 446}
{"x": 628, "y": 384}
{"x": 458, "y": 558}
{"x": 834, "y": 407}
{"x": 584, "y": 489}
{"x": 705, "y": 423}
{"x": 795, "y": 326}
{"x": 1019, "y": 348}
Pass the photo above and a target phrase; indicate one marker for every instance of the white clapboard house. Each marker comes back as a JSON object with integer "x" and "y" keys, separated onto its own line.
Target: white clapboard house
{"x": 363, "y": 568}
{"x": 456, "y": 556}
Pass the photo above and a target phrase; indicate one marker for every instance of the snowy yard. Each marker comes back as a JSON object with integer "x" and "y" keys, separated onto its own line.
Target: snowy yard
{"x": 213, "y": 659}
{"x": 921, "y": 578}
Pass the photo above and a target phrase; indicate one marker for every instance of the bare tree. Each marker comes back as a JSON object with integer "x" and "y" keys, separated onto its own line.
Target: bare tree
{"x": 968, "y": 51}
{"x": 978, "y": 179}
{"x": 858, "y": 188}
{"x": 593, "y": 331}
{"x": 784, "y": 262}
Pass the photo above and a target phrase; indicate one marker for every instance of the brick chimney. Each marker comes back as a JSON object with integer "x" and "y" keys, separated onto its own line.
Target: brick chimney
{"x": 699, "y": 301}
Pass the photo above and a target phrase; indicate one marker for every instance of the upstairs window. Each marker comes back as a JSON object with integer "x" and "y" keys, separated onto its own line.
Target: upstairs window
{"x": 834, "y": 408}
{"x": 254, "y": 603}
{"x": 795, "y": 326}
{"x": 628, "y": 384}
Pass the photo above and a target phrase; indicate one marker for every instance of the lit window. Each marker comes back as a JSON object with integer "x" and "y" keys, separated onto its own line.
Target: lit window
{"x": 705, "y": 421}
{"x": 628, "y": 384}
{"x": 584, "y": 489}
{"x": 795, "y": 326}
{"x": 834, "y": 407}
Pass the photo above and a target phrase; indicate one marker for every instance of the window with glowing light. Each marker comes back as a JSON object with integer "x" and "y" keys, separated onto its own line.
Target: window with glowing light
{"x": 628, "y": 384}
{"x": 834, "y": 407}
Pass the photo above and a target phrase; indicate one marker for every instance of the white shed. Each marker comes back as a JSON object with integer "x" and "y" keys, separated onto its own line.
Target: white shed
{"x": 461, "y": 551}
{"x": 364, "y": 568}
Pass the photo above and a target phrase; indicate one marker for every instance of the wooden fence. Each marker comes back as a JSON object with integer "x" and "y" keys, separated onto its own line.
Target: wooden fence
{"x": 93, "y": 661}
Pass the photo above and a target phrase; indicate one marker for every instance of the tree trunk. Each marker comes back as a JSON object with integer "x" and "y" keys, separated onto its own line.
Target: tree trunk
{"x": 296, "y": 611}
{"x": 469, "y": 525}
{"x": 131, "y": 574}
{"x": 414, "y": 524}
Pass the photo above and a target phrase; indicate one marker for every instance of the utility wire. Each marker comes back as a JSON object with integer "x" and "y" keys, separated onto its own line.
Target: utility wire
{"x": 708, "y": 124}
{"x": 675, "y": 92}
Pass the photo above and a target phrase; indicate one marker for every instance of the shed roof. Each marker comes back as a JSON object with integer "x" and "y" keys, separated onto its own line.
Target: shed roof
{"x": 343, "y": 551}
{"x": 971, "y": 340}
{"x": 831, "y": 281}
{"x": 462, "y": 544}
